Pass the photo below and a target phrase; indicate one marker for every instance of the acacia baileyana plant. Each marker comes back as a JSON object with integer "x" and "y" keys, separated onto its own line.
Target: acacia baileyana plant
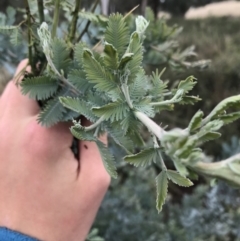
{"x": 112, "y": 90}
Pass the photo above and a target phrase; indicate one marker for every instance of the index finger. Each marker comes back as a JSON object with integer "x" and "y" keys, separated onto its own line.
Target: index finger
{"x": 13, "y": 102}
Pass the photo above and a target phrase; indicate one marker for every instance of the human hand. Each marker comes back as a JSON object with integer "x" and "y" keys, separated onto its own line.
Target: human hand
{"x": 42, "y": 194}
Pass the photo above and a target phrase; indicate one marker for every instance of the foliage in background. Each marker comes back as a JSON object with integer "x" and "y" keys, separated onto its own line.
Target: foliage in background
{"x": 204, "y": 213}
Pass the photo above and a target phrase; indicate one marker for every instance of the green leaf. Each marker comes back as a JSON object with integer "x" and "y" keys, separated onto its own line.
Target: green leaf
{"x": 135, "y": 47}
{"x": 40, "y": 88}
{"x": 117, "y": 33}
{"x": 110, "y": 56}
{"x": 145, "y": 107}
{"x": 149, "y": 14}
{"x": 78, "y": 53}
{"x": 140, "y": 86}
{"x": 162, "y": 188}
{"x": 229, "y": 118}
{"x": 130, "y": 122}
{"x": 79, "y": 132}
{"x": 53, "y": 112}
{"x": 212, "y": 126}
{"x": 143, "y": 158}
{"x": 79, "y": 106}
{"x": 181, "y": 168}
{"x": 125, "y": 60}
{"x": 61, "y": 54}
{"x": 178, "y": 179}
{"x": 189, "y": 100}
{"x": 232, "y": 101}
{"x": 114, "y": 111}
{"x": 209, "y": 137}
{"x": 196, "y": 121}
{"x": 120, "y": 139}
{"x": 187, "y": 84}
{"x": 158, "y": 86}
{"x": 103, "y": 81}
{"x": 108, "y": 159}
{"x": 78, "y": 79}
{"x": 185, "y": 151}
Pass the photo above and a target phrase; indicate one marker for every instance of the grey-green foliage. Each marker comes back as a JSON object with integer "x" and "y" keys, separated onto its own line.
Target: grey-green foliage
{"x": 208, "y": 213}
{"x": 162, "y": 46}
{"x": 14, "y": 52}
{"x": 120, "y": 98}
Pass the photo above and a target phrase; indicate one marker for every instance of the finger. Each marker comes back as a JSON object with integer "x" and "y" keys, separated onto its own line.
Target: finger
{"x": 91, "y": 164}
{"x": 12, "y": 100}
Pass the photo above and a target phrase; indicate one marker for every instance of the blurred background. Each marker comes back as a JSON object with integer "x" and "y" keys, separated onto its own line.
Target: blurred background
{"x": 209, "y": 211}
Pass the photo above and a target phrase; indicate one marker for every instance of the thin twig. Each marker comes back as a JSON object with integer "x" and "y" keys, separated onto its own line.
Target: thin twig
{"x": 30, "y": 53}
{"x": 131, "y": 11}
{"x": 55, "y": 18}
{"x": 88, "y": 22}
{"x": 73, "y": 25}
{"x": 40, "y": 10}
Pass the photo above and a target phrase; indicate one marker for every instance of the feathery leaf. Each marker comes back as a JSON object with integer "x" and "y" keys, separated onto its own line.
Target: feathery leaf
{"x": 114, "y": 111}
{"x": 162, "y": 188}
{"x": 143, "y": 158}
{"x": 108, "y": 159}
{"x": 103, "y": 81}
{"x": 117, "y": 33}
{"x": 40, "y": 88}
{"x": 176, "y": 178}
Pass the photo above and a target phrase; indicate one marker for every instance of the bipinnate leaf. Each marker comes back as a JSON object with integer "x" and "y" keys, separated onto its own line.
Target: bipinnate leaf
{"x": 209, "y": 136}
{"x": 78, "y": 53}
{"x": 229, "y": 118}
{"x": 78, "y": 79}
{"x": 135, "y": 47}
{"x": 61, "y": 54}
{"x": 96, "y": 74}
{"x": 158, "y": 86}
{"x": 196, "y": 121}
{"x": 79, "y": 106}
{"x": 139, "y": 87}
{"x": 39, "y": 88}
{"x": 189, "y": 100}
{"x": 108, "y": 159}
{"x": 79, "y": 132}
{"x": 54, "y": 112}
{"x": 187, "y": 84}
{"x": 114, "y": 111}
{"x": 233, "y": 101}
{"x": 176, "y": 178}
{"x": 181, "y": 168}
{"x": 110, "y": 56}
{"x": 143, "y": 158}
{"x": 117, "y": 33}
{"x": 162, "y": 188}
{"x": 125, "y": 60}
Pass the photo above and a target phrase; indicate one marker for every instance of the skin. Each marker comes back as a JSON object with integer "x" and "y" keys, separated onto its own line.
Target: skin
{"x": 42, "y": 194}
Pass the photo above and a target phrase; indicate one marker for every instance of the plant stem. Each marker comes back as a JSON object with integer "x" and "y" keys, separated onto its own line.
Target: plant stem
{"x": 30, "y": 53}
{"x": 40, "y": 10}
{"x": 219, "y": 169}
{"x": 150, "y": 124}
{"x": 164, "y": 168}
{"x": 55, "y": 18}
{"x": 73, "y": 25}
{"x": 96, "y": 124}
{"x": 88, "y": 22}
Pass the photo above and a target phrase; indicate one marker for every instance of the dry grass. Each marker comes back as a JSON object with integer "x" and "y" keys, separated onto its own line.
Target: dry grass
{"x": 220, "y": 9}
